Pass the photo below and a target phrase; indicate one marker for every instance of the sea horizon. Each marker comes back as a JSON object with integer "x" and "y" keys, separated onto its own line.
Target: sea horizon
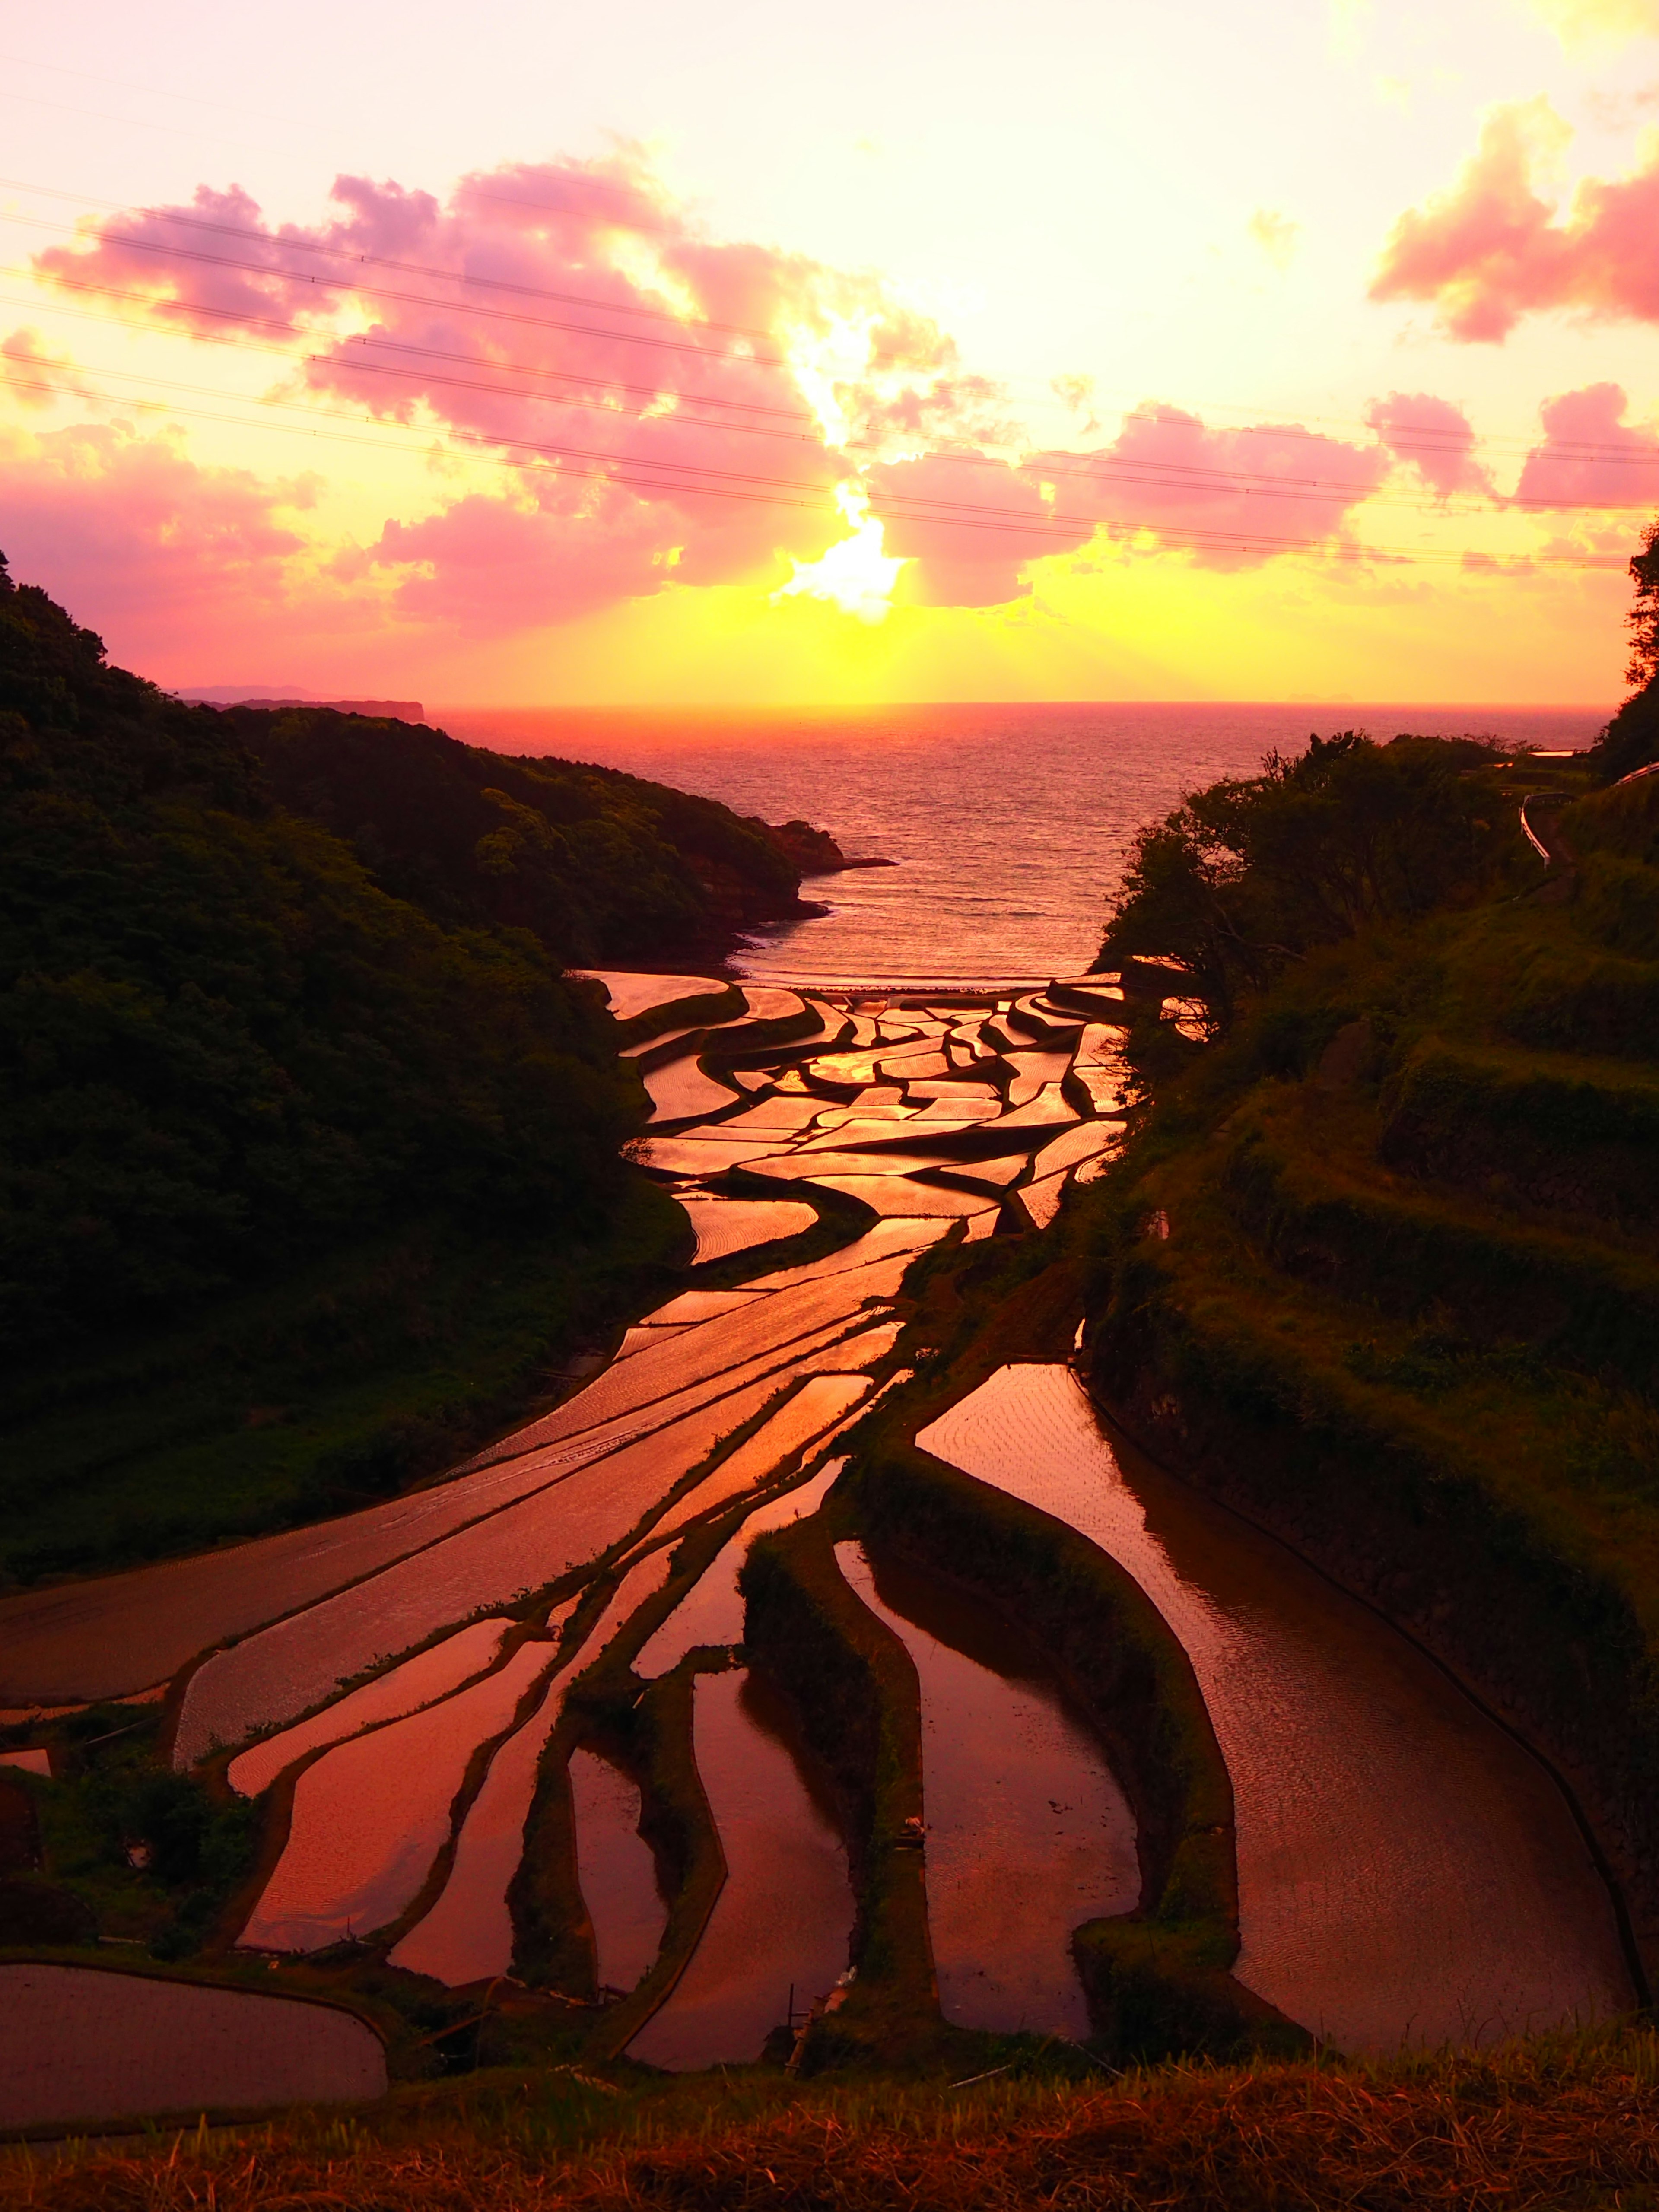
{"x": 1009, "y": 823}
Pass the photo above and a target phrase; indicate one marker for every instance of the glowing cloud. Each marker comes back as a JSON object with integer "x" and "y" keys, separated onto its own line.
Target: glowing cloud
{"x": 1276, "y": 234}
{"x": 158, "y": 545}
{"x": 1434, "y": 437}
{"x": 854, "y": 574}
{"x": 34, "y": 377}
{"x": 1491, "y": 249}
{"x": 1231, "y": 499}
{"x": 679, "y": 405}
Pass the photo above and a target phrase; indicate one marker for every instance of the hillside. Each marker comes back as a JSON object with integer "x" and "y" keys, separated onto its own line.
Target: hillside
{"x": 602, "y": 867}
{"x": 1380, "y": 1265}
{"x": 305, "y": 1173}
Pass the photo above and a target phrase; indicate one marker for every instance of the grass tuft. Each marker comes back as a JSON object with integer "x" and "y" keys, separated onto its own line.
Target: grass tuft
{"x": 1560, "y": 2123}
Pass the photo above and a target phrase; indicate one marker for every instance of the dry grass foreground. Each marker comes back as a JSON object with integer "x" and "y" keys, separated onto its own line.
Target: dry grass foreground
{"x": 1559, "y": 2122}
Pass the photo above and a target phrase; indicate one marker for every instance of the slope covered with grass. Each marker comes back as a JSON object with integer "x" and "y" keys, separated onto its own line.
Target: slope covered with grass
{"x": 1561, "y": 2124}
{"x": 1381, "y": 1263}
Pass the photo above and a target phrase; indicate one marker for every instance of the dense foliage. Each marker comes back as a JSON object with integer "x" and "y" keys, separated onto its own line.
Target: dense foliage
{"x": 1631, "y": 740}
{"x": 601, "y": 866}
{"x": 1400, "y": 1299}
{"x": 1255, "y": 870}
{"x": 222, "y": 1046}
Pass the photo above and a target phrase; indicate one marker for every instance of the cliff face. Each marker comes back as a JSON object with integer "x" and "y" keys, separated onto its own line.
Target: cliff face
{"x": 1381, "y": 1267}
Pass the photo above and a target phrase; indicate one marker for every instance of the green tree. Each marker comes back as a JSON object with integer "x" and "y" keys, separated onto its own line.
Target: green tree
{"x": 1642, "y": 620}
{"x": 1631, "y": 740}
{"x": 1253, "y": 871}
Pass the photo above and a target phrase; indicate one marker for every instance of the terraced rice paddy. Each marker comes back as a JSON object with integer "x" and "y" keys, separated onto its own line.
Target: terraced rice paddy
{"x": 1027, "y": 1833}
{"x": 403, "y": 1682}
{"x": 785, "y": 1915}
{"x": 78, "y": 2044}
{"x": 616, "y": 1872}
{"x": 1407, "y": 1872}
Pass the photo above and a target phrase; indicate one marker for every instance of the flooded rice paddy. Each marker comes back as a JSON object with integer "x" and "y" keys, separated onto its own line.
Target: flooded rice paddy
{"x": 616, "y": 1872}
{"x": 1407, "y": 1872}
{"x": 403, "y": 1681}
{"x": 784, "y": 1918}
{"x": 1028, "y": 1832}
{"x": 79, "y": 2045}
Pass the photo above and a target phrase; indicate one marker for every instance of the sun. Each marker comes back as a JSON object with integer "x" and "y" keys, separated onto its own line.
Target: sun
{"x": 854, "y": 574}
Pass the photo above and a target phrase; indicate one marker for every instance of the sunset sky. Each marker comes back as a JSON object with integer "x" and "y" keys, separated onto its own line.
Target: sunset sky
{"x": 753, "y": 354}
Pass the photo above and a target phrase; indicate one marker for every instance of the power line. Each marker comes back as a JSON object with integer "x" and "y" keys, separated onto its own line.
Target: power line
{"x": 406, "y": 298}
{"x": 771, "y": 492}
{"x": 234, "y": 315}
{"x": 1408, "y": 439}
{"x": 385, "y": 261}
{"x": 1170, "y": 475}
{"x": 1434, "y": 439}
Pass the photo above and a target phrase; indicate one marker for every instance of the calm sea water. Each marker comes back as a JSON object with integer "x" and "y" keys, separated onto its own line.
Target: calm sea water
{"x": 1009, "y": 823}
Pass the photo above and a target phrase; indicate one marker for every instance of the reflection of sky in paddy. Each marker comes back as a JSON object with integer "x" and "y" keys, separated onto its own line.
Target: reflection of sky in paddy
{"x": 785, "y": 1917}
{"x": 788, "y": 1355}
{"x": 1407, "y": 1872}
{"x": 1028, "y": 1832}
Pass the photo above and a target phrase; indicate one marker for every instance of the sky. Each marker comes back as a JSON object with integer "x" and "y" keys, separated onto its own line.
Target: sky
{"x": 753, "y": 356}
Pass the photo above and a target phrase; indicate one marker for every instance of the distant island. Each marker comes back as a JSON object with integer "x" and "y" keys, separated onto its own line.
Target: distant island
{"x": 397, "y": 710}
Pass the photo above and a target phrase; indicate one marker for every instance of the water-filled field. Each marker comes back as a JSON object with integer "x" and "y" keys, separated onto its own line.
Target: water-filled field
{"x": 428, "y": 1698}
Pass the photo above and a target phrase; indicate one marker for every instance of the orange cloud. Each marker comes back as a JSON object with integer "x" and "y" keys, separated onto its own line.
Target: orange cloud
{"x": 35, "y": 378}
{"x": 1493, "y": 250}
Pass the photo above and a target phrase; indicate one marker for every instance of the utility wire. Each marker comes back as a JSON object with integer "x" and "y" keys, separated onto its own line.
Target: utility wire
{"x": 290, "y": 242}
{"x": 1420, "y": 438}
{"x": 596, "y": 381}
{"x": 1073, "y": 530}
{"x": 1103, "y": 469}
{"x": 405, "y": 299}
{"x": 1433, "y": 440}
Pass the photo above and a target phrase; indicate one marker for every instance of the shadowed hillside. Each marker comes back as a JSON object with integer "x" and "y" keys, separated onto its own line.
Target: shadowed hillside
{"x": 602, "y": 867}
{"x": 1380, "y": 1265}
{"x": 310, "y": 1150}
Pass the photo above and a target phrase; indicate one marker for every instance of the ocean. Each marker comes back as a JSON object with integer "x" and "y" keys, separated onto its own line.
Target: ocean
{"x": 1009, "y": 823}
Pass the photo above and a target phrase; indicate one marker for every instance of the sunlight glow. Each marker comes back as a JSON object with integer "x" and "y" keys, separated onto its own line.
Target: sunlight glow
{"x": 854, "y": 574}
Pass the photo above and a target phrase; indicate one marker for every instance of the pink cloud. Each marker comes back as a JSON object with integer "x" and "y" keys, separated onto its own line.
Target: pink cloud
{"x": 672, "y": 406}
{"x": 971, "y": 525}
{"x": 1431, "y": 437}
{"x": 569, "y": 316}
{"x": 486, "y": 566}
{"x": 1493, "y": 250}
{"x": 130, "y": 534}
{"x": 1590, "y": 456}
{"x": 1231, "y": 498}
